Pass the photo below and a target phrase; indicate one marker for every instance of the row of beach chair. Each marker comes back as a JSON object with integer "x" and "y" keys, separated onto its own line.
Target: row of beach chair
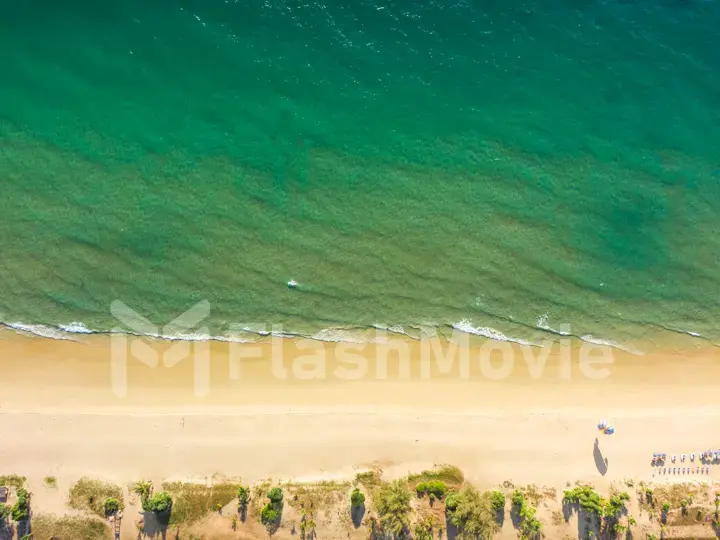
{"x": 684, "y": 470}
{"x": 708, "y": 458}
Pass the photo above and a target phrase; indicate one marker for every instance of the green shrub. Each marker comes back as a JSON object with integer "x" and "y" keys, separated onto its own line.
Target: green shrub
{"x": 498, "y": 500}
{"x": 112, "y": 505}
{"x": 269, "y": 514}
{"x": 452, "y": 501}
{"x": 473, "y": 516}
{"x": 517, "y": 498}
{"x": 275, "y": 495}
{"x": 449, "y": 474}
{"x": 50, "y": 481}
{"x": 89, "y": 495}
{"x": 437, "y": 488}
{"x": 21, "y": 509}
{"x": 616, "y": 505}
{"x": 4, "y": 512}
{"x": 243, "y": 494}
{"x": 530, "y": 526}
{"x": 159, "y": 503}
{"x": 357, "y": 498}
{"x": 12, "y": 480}
{"x": 666, "y": 507}
{"x": 588, "y": 499}
{"x": 434, "y": 487}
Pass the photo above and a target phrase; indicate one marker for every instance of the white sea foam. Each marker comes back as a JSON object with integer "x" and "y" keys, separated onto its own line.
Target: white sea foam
{"x": 490, "y": 333}
{"x": 542, "y": 323}
{"x": 693, "y": 334}
{"x": 337, "y": 335}
{"x": 608, "y": 343}
{"x": 395, "y": 329}
{"x": 75, "y": 328}
{"x": 41, "y": 330}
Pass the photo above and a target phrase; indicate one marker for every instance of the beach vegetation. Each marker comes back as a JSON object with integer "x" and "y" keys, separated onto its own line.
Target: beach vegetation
{"x": 50, "y": 481}
{"x": 275, "y": 495}
{"x": 438, "y": 488}
{"x": 70, "y": 527}
{"x": 452, "y": 501}
{"x": 270, "y": 517}
{"x": 143, "y": 488}
{"x": 530, "y": 526}
{"x": 449, "y": 476}
{"x": 665, "y": 507}
{"x": 89, "y": 495}
{"x": 615, "y": 505}
{"x": 357, "y": 498}
{"x": 160, "y": 503}
{"x": 12, "y": 480}
{"x": 586, "y": 498}
{"x": 243, "y": 495}
{"x": 472, "y": 514}
{"x": 497, "y": 498}
{"x": 369, "y": 479}
{"x": 112, "y": 505}
{"x": 21, "y": 509}
{"x": 192, "y": 501}
{"x": 313, "y": 495}
{"x": 394, "y": 510}
{"x": 425, "y": 527}
{"x": 517, "y": 498}
{"x": 269, "y": 514}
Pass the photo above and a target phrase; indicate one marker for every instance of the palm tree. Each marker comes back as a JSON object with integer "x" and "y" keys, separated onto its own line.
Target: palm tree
{"x": 143, "y": 488}
{"x": 393, "y": 505}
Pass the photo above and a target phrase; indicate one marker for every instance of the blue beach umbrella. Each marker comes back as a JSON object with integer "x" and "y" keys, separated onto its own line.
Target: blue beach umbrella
{"x": 609, "y": 430}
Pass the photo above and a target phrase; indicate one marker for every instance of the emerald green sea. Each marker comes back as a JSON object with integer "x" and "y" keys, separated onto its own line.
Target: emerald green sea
{"x": 509, "y": 169}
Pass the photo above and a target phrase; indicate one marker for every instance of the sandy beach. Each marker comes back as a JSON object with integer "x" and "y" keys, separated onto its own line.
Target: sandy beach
{"x": 60, "y": 416}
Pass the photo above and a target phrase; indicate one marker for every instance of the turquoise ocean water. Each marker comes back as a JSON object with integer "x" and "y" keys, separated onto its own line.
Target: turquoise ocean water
{"x": 499, "y": 167}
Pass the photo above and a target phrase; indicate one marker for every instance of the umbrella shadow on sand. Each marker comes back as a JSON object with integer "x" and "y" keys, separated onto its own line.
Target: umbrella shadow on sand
{"x": 600, "y": 462}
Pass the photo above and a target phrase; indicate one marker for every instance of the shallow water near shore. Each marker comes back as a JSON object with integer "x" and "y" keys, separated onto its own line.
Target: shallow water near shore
{"x": 512, "y": 172}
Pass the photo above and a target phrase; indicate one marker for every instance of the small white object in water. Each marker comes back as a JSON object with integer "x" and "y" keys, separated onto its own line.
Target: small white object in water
{"x": 292, "y": 284}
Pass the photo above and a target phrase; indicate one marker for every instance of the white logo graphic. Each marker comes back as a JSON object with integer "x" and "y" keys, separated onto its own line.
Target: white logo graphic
{"x": 183, "y": 328}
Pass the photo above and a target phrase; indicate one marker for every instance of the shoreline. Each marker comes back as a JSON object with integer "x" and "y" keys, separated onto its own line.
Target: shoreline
{"x": 462, "y": 331}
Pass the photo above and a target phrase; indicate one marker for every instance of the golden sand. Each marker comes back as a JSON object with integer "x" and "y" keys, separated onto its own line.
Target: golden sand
{"x": 61, "y": 412}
